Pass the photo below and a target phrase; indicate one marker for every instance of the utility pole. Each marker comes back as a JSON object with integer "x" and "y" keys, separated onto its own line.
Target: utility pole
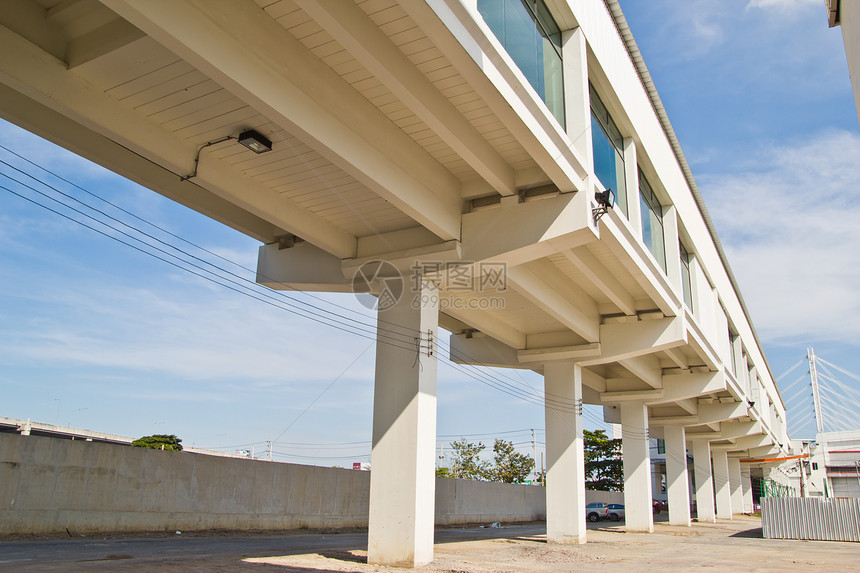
{"x": 802, "y": 478}
{"x": 534, "y": 451}
{"x": 542, "y": 471}
{"x": 816, "y": 399}
{"x": 269, "y": 444}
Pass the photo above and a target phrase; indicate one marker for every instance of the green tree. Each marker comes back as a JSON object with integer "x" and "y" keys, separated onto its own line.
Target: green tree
{"x": 159, "y": 442}
{"x": 443, "y": 472}
{"x": 466, "y": 462}
{"x": 603, "y": 466}
{"x": 510, "y": 465}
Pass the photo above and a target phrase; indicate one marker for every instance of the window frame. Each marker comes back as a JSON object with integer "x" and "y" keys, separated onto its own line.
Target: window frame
{"x": 653, "y": 206}
{"x": 600, "y": 113}
{"x": 686, "y": 277}
{"x": 547, "y": 29}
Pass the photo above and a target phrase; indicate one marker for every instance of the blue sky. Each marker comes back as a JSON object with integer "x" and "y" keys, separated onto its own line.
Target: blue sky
{"x": 97, "y": 335}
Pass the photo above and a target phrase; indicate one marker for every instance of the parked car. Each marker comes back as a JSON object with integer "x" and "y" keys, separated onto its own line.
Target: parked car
{"x": 596, "y": 511}
{"x": 660, "y": 506}
{"x": 616, "y": 511}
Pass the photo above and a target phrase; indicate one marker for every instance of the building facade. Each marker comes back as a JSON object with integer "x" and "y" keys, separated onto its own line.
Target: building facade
{"x": 846, "y": 15}
{"x": 503, "y": 170}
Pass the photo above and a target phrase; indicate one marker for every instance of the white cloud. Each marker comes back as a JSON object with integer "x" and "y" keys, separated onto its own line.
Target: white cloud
{"x": 182, "y": 331}
{"x": 790, "y": 228}
{"x": 787, "y": 6}
{"x": 699, "y": 27}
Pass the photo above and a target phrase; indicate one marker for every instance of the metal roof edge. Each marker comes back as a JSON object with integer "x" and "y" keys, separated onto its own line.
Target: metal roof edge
{"x": 648, "y": 84}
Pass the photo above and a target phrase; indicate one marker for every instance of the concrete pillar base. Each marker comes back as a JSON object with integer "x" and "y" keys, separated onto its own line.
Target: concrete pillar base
{"x": 403, "y": 479}
{"x": 676, "y": 475}
{"x": 637, "y": 467}
{"x": 735, "y": 487}
{"x": 721, "y": 484}
{"x": 705, "y": 511}
{"x": 565, "y": 489}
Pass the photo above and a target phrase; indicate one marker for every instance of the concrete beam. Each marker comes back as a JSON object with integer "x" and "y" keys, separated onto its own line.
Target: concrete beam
{"x": 646, "y": 368}
{"x": 748, "y": 442}
{"x": 281, "y": 78}
{"x": 100, "y": 42}
{"x": 577, "y": 353}
{"x": 517, "y": 233}
{"x": 635, "y": 256}
{"x": 600, "y": 277}
{"x": 762, "y": 451}
{"x": 689, "y": 405}
{"x": 690, "y": 385}
{"x": 630, "y": 395}
{"x": 86, "y": 142}
{"x": 303, "y": 267}
{"x": 556, "y": 295}
{"x": 625, "y": 340}
{"x": 38, "y": 76}
{"x": 365, "y": 41}
{"x": 676, "y": 356}
{"x": 460, "y": 33}
{"x": 481, "y": 350}
{"x": 732, "y": 430}
{"x": 491, "y": 326}
{"x": 718, "y": 412}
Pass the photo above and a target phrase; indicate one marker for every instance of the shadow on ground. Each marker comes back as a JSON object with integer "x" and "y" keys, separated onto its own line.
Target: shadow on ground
{"x": 755, "y": 533}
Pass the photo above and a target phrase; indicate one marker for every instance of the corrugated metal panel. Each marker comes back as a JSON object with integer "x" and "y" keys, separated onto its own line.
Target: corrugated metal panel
{"x": 811, "y": 518}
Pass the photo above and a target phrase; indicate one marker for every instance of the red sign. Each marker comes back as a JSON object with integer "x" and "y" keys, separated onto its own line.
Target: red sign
{"x": 356, "y": 465}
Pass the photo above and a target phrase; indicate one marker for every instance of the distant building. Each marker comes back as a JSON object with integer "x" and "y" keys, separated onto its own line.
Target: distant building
{"x": 833, "y": 468}
{"x": 846, "y": 14}
{"x": 30, "y": 428}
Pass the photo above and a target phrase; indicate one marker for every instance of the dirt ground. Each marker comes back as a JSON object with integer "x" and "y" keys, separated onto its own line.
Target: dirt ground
{"x": 734, "y": 545}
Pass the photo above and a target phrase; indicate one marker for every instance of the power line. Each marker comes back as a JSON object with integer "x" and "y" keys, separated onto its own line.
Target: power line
{"x": 375, "y": 329}
{"x": 371, "y": 328}
{"x": 322, "y": 316}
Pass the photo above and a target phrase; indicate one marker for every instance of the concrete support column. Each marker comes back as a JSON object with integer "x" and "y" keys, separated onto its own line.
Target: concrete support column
{"x": 637, "y": 466}
{"x": 721, "y": 484}
{"x": 671, "y": 242}
{"x": 631, "y": 176}
{"x": 704, "y": 482}
{"x": 565, "y": 482}
{"x": 577, "y": 105}
{"x": 746, "y": 487}
{"x": 402, "y": 479}
{"x": 677, "y": 481}
{"x": 735, "y": 485}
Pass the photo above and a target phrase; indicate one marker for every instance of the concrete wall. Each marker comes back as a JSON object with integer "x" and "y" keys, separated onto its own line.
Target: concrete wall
{"x": 49, "y": 484}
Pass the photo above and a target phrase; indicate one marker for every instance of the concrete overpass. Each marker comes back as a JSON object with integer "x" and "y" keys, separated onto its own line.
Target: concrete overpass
{"x": 406, "y": 132}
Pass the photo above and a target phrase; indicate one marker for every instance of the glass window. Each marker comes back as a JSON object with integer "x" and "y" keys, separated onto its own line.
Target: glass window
{"x": 533, "y": 40}
{"x": 652, "y": 221}
{"x": 661, "y": 446}
{"x": 686, "y": 282}
{"x": 608, "y": 149}
{"x": 734, "y": 359}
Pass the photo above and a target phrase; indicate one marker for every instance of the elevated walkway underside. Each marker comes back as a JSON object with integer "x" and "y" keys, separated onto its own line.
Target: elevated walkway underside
{"x": 401, "y": 132}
